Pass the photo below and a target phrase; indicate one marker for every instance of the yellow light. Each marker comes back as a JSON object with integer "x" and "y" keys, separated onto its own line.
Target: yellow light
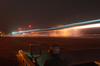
{"x": 1, "y": 35}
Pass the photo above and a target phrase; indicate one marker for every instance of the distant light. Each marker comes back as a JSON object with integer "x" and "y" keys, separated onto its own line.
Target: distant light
{"x": 29, "y": 25}
{"x": 13, "y": 32}
{"x": 19, "y": 28}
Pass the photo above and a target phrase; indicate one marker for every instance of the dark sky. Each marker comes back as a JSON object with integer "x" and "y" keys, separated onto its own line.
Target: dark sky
{"x": 45, "y": 13}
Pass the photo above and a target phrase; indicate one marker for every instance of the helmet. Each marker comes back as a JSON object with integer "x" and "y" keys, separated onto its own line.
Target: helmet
{"x": 54, "y": 49}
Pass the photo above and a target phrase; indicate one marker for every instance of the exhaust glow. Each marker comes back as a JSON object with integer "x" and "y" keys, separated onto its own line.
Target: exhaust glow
{"x": 65, "y": 30}
{"x": 88, "y": 26}
{"x": 60, "y": 27}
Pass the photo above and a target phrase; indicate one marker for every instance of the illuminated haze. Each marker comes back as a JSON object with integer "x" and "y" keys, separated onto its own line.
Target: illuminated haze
{"x": 65, "y": 32}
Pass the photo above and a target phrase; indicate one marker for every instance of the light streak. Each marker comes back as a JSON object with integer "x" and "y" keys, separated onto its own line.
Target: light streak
{"x": 88, "y": 26}
{"x": 60, "y": 27}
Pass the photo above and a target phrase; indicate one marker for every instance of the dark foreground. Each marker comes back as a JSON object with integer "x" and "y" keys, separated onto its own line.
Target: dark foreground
{"x": 9, "y": 46}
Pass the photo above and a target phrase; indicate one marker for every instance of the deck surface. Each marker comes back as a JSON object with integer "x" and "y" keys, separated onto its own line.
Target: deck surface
{"x": 9, "y": 46}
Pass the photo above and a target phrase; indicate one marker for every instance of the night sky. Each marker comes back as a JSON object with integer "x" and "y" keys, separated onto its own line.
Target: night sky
{"x": 45, "y": 13}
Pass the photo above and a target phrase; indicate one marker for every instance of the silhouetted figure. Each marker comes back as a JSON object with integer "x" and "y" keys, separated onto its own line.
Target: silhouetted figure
{"x": 55, "y": 59}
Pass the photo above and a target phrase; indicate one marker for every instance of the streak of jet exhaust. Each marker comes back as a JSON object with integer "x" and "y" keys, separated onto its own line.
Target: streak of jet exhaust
{"x": 60, "y": 27}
